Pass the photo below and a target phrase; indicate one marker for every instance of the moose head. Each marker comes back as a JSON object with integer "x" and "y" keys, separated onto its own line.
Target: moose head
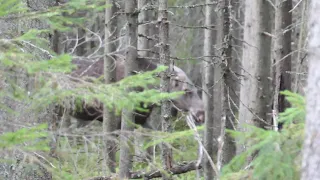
{"x": 190, "y": 100}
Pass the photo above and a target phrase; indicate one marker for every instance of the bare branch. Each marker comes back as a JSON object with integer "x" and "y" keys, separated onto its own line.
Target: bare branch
{"x": 192, "y": 126}
{"x": 175, "y": 170}
{"x": 210, "y": 27}
{"x": 147, "y": 37}
{"x": 193, "y": 6}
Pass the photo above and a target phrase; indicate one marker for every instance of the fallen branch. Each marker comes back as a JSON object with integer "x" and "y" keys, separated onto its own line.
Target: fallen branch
{"x": 102, "y": 178}
{"x": 175, "y": 170}
{"x": 202, "y": 149}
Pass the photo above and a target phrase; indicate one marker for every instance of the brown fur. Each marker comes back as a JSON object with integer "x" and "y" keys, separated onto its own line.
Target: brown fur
{"x": 180, "y": 82}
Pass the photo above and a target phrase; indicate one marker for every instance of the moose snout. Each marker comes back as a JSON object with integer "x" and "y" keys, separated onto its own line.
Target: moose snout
{"x": 198, "y": 116}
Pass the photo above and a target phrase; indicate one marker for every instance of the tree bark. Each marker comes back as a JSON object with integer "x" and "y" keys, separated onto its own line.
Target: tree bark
{"x": 301, "y": 41}
{"x": 110, "y": 122}
{"x": 143, "y": 51}
{"x": 255, "y": 83}
{"x": 131, "y": 64}
{"x": 81, "y": 49}
{"x": 164, "y": 53}
{"x": 230, "y": 83}
{"x": 231, "y": 78}
{"x": 283, "y": 19}
{"x": 143, "y": 29}
{"x": 207, "y": 85}
{"x": 153, "y": 31}
{"x": 311, "y": 148}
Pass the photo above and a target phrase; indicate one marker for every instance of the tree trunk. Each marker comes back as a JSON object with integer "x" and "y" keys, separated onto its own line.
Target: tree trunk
{"x": 207, "y": 85}
{"x": 236, "y": 30}
{"x": 131, "y": 64}
{"x": 311, "y": 149}
{"x": 81, "y": 48}
{"x": 300, "y": 66}
{"x": 153, "y": 31}
{"x": 283, "y": 19}
{"x": 57, "y": 37}
{"x": 164, "y": 53}
{"x": 143, "y": 29}
{"x": 233, "y": 90}
{"x": 255, "y": 83}
{"x": 237, "y": 39}
{"x": 143, "y": 51}
{"x": 230, "y": 83}
{"x": 110, "y": 122}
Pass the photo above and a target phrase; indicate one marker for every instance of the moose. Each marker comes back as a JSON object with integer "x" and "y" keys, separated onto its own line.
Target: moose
{"x": 188, "y": 102}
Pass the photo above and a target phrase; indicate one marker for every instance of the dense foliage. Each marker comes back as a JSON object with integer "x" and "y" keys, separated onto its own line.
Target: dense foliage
{"x": 277, "y": 153}
{"x": 29, "y": 55}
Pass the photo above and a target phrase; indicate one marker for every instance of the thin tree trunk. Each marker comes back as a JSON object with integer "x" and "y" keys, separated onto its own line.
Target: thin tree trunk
{"x": 236, "y": 29}
{"x": 110, "y": 123}
{"x": 298, "y": 80}
{"x": 237, "y": 46}
{"x": 255, "y": 83}
{"x": 311, "y": 149}
{"x": 81, "y": 49}
{"x": 52, "y": 118}
{"x": 57, "y": 46}
{"x": 233, "y": 96}
{"x": 131, "y": 64}
{"x": 207, "y": 84}
{"x": 283, "y": 19}
{"x": 153, "y": 31}
{"x": 143, "y": 29}
{"x": 143, "y": 51}
{"x": 164, "y": 53}
{"x": 230, "y": 83}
